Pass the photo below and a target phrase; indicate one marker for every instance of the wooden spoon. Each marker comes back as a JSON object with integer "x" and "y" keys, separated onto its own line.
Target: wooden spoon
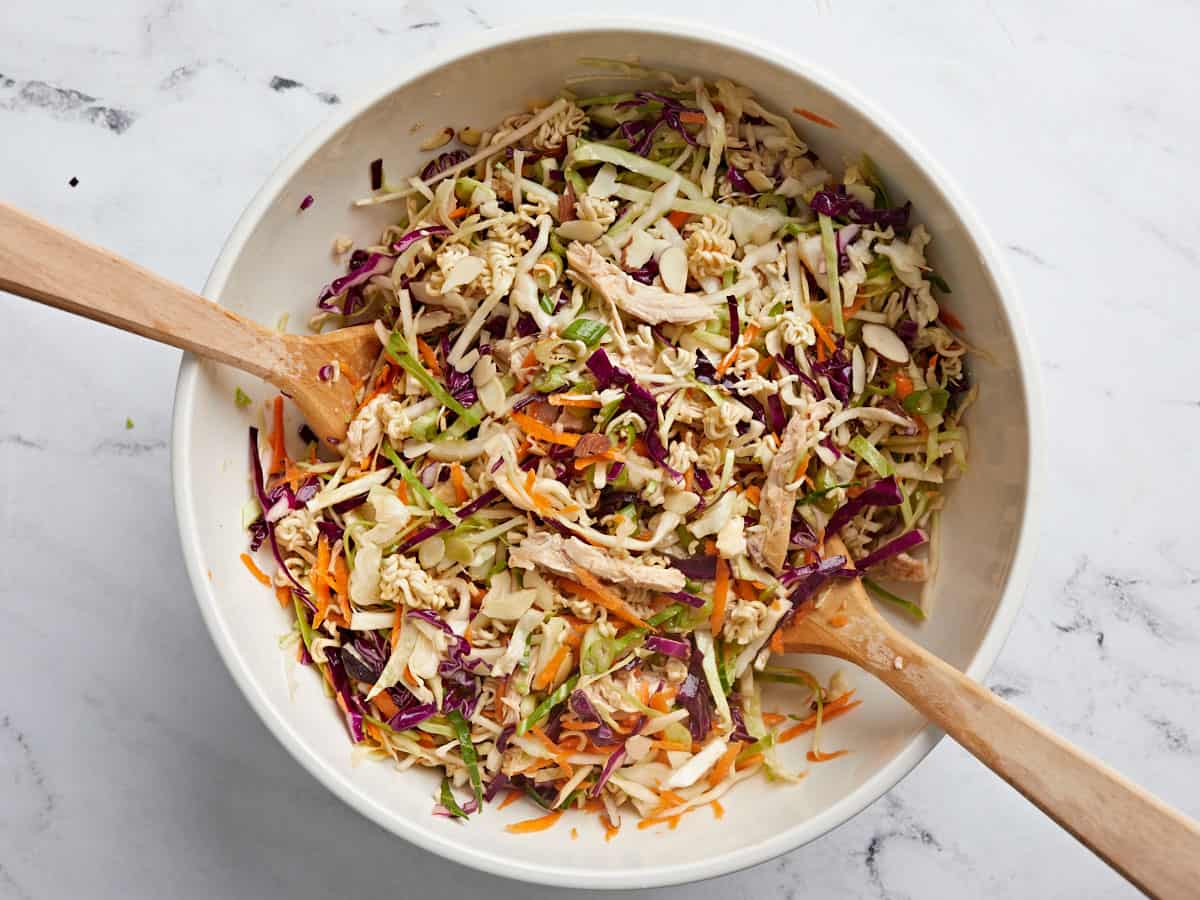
{"x": 45, "y": 264}
{"x": 1154, "y": 846}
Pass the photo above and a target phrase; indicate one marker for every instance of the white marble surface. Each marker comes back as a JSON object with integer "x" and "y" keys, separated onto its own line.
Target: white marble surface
{"x": 130, "y": 766}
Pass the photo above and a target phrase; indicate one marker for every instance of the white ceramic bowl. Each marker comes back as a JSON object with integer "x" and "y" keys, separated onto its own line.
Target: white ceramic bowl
{"x": 274, "y": 262}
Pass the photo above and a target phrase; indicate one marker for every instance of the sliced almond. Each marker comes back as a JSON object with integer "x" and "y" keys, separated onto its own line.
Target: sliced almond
{"x": 759, "y": 181}
{"x": 440, "y": 138}
{"x": 673, "y": 268}
{"x": 465, "y": 271}
{"x": 604, "y": 182}
{"x": 884, "y": 341}
{"x": 858, "y": 370}
{"x": 639, "y": 250}
{"x": 580, "y": 230}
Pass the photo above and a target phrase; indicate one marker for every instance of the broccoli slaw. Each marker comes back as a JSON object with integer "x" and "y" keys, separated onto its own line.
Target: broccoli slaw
{"x": 641, "y": 353}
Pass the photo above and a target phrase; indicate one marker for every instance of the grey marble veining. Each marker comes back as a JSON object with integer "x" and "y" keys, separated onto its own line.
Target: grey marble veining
{"x": 129, "y": 764}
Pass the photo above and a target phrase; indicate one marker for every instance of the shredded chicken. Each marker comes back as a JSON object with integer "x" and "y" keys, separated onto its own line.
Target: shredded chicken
{"x": 562, "y": 555}
{"x": 642, "y": 301}
{"x": 778, "y": 501}
{"x": 903, "y": 567}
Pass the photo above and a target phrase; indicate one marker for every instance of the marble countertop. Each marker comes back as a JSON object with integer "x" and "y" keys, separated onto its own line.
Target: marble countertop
{"x": 130, "y": 766}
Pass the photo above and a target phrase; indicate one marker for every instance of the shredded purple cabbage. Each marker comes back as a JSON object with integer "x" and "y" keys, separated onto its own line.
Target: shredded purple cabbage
{"x": 697, "y": 568}
{"x": 695, "y": 697}
{"x": 443, "y": 162}
{"x": 487, "y": 498}
{"x": 882, "y": 493}
{"x": 906, "y": 541}
{"x": 419, "y": 234}
{"x": 374, "y": 264}
{"x": 668, "y": 646}
{"x": 738, "y": 181}
{"x": 637, "y": 399}
{"x": 838, "y": 204}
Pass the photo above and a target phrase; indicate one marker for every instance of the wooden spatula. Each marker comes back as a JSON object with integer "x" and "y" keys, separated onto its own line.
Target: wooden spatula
{"x": 45, "y": 264}
{"x": 1154, "y": 846}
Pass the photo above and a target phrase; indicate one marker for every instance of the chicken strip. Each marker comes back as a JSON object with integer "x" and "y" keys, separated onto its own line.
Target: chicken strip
{"x": 777, "y": 502}
{"x": 563, "y": 555}
{"x": 642, "y": 301}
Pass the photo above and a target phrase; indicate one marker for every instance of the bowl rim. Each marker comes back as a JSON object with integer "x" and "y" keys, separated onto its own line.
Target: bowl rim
{"x": 613, "y": 877}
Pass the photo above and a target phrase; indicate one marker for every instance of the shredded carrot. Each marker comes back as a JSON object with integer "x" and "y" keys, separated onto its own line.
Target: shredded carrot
{"x": 546, "y": 676}
{"x": 294, "y": 476}
{"x": 671, "y": 822}
{"x": 904, "y": 385}
{"x": 753, "y": 494}
{"x": 749, "y": 761}
{"x": 576, "y": 725}
{"x": 569, "y": 400}
{"x": 662, "y": 700}
{"x": 545, "y": 739}
{"x": 320, "y": 582}
{"x": 765, "y": 364}
{"x": 402, "y": 491}
{"x": 278, "y": 451}
{"x": 950, "y": 319}
{"x": 773, "y": 718}
{"x": 777, "y": 642}
{"x": 341, "y": 580}
{"x": 689, "y": 478}
{"x": 859, "y": 302}
{"x": 718, "y": 809}
{"x": 352, "y": 377}
{"x": 721, "y": 770}
{"x": 498, "y": 704}
{"x": 529, "y": 826}
{"x": 513, "y": 797}
{"x": 644, "y": 693}
{"x": 678, "y": 218}
{"x": 590, "y": 588}
{"x": 810, "y": 723}
{"x": 284, "y": 596}
{"x": 745, "y": 340}
{"x": 813, "y": 117}
{"x": 802, "y": 466}
{"x": 823, "y": 335}
{"x": 386, "y": 705}
{"x": 574, "y": 834}
{"x": 386, "y": 376}
{"x": 685, "y": 746}
{"x": 692, "y": 117}
{"x": 666, "y": 800}
{"x": 610, "y": 832}
{"x": 430, "y": 358}
{"x": 583, "y": 462}
{"x": 458, "y": 213}
{"x": 536, "y": 429}
{"x": 263, "y": 577}
{"x": 397, "y": 625}
{"x": 720, "y": 594}
{"x": 745, "y": 590}
{"x": 817, "y": 756}
{"x": 456, "y": 478}
{"x": 841, "y": 620}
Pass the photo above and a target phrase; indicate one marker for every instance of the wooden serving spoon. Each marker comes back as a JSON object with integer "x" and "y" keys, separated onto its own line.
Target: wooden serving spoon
{"x": 45, "y": 264}
{"x": 1154, "y": 846}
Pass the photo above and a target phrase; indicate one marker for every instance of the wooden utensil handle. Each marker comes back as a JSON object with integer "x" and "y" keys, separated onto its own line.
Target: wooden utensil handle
{"x": 42, "y": 263}
{"x": 1155, "y": 847}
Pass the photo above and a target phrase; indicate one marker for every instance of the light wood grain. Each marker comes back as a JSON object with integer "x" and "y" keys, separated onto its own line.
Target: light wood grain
{"x": 42, "y": 263}
{"x": 1154, "y": 846}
